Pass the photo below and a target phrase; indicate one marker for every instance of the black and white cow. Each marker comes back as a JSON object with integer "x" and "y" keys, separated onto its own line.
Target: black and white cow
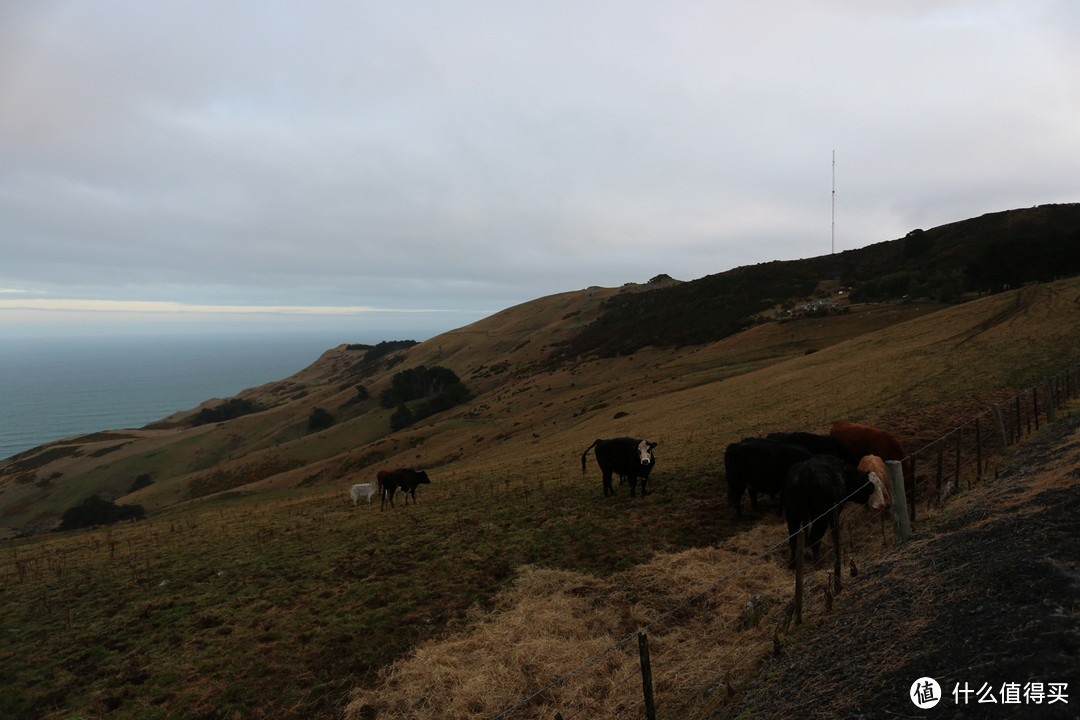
{"x": 628, "y": 457}
{"x": 758, "y": 465}
{"x": 404, "y": 479}
{"x": 813, "y": 487}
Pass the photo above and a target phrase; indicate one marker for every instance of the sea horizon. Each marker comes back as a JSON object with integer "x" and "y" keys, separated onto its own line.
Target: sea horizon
{"x": 53, "y": 388}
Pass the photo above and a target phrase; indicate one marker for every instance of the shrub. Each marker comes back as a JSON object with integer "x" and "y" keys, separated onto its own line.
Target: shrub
{"x": 96, "y": 510}
{"x": 319, "y": 419}
{"x": 141, "y": 481}
{"x": 402, "y": 418}
{"x": 227, "y": 410}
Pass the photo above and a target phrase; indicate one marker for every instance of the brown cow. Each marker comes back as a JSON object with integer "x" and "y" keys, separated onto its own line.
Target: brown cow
{"x": 865, "y": 440}
{"x": 874, "y": 464}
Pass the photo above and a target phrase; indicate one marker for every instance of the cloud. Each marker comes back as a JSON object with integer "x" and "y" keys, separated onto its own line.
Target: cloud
{"x": 480, "y": 154}
{"x": 175, "y": 308}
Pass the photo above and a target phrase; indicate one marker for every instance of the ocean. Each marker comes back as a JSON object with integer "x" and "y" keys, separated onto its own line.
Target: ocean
{"x": 52, "y": 388}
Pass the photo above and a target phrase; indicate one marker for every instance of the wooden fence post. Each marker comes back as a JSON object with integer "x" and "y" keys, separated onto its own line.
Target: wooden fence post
{"x": 940, "y": 466}
{"x": 1019, "y": 421}
{"x": 959, "y": 441}
{"x": 836, "y": 545}
{"x": 646, "y": 676}
{"x": 895, "y": 471}
{"x": 978, "y": 449}
{"x": 800, "y": 550}
{"x": 1049, "y": 401}
{"x": 1001, "y": 428}
{"x": 914, "y": 487}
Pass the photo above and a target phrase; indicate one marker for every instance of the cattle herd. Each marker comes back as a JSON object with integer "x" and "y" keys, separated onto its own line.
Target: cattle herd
{"x": 810, "y": 474}
{"x": 388, "y": 483}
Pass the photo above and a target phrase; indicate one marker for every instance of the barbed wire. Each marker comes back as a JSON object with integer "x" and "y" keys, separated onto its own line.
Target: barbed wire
{"x": 694, "y": 598}
{"x": 717, "y": 583}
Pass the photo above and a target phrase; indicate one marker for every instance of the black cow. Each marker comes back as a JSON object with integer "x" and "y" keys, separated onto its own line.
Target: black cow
{"x": 818, "y": 444}
{"x": 814, "y": 486}
{"x": 404, "y": 478}
{"x": 629, "y": 457}
{"x": 758, "y": 465}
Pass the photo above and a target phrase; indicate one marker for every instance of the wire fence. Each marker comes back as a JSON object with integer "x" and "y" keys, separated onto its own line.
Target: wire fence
{"x": 647, "y": 674}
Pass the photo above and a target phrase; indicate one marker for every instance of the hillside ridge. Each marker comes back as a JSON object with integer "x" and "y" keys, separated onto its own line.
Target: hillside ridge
{"x": 536, "y": 371}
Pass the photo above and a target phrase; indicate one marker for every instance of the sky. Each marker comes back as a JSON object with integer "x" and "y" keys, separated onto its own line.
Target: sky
{"x": 397, "y": 169}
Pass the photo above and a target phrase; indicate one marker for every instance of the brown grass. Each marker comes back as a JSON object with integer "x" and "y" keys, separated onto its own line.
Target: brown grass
{"x": 551, "y": 622}
{"x": 506, "y": 471}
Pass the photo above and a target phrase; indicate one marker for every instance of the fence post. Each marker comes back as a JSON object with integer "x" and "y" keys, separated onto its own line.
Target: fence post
{"x": 1019, "y": 421}
{"x": 1001, "y": 428}
{"x": 914, "y": 486}
{"x": 940, "y": 466}
{"x": 836, "y": 545}
{"x": 959, "y": 441}
{"x": 646, "y": 676}
{"x": 1035, "y": 404}
{"x": 800, "y": 550}
{"x": 978, "y": 449}
{"x": 1049, "y": 401}
{"x": 895, "y": 471}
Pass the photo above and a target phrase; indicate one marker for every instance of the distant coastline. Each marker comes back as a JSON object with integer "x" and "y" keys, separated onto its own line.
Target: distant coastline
{"x": 52, "y": 388}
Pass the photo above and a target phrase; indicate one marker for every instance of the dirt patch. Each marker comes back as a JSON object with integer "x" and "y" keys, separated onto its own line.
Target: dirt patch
{"x": 987, "y": 599}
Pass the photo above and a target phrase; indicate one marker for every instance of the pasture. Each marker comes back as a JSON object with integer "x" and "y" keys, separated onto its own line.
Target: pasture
{"x": 289, "y": 603}
{"x": 280, "y": 605}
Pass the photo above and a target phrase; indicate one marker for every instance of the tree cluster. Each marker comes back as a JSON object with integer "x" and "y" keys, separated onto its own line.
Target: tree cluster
{"x": 227, "y": 410}
{"x": 436, "y": 388}
{"x": 96, "y": 510}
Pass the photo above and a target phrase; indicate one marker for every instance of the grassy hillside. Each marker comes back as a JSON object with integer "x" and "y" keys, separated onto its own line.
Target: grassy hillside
{"x": 280, "y": 599}
{"x": 538, "y": 372}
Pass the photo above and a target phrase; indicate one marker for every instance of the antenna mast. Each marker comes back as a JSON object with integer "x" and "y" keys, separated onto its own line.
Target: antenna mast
{"x": 833, "y": 246}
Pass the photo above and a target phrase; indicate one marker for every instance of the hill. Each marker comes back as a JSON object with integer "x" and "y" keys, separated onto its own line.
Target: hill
{"x": 537, "y": 371}
{"x": 273, "y": 596}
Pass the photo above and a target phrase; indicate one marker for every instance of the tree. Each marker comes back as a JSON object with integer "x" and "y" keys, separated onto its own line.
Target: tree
{"x": 96, "y": 510}
{"x": 319, "y": 419}
{"x": 402, "y": 418}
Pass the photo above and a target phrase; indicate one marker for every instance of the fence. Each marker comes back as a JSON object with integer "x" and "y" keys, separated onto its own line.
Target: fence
{"x": 640, "y": 681}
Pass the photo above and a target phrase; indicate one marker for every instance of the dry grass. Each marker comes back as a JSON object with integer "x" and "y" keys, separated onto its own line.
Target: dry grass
{"x": 507, "y": 489}
{"x": 552, "y": 621}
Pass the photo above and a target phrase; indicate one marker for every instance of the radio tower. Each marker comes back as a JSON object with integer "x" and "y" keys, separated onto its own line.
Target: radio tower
{"x": 833, "y": 245}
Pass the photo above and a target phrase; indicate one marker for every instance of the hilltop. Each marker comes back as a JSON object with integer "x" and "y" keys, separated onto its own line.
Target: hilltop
{"x": 549, "y": 373}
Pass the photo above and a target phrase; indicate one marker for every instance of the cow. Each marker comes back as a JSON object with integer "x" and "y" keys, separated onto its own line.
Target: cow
{"x": 813, "y": 487}
{"x": 874, "y": 464}
{"x": 817, "y": 444}
{"x": 758, "y": 465}
{"x": 363, "y": 490}
{"x": 628, "y": 457}
{"x": 864, "y": 440}
{"x": 404, "y": 479}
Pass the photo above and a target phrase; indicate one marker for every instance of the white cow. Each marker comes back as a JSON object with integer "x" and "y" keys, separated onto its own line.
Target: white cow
{"x": 363, "y": 490}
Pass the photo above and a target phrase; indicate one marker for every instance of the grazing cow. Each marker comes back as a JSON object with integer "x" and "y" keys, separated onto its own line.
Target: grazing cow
{"x": 758, "y": 465}
{"x": 628, "y": 457}
{"x": 404, "y": 479}
{"x": 865, "y": 440}
{"x": 874, "y": 464}
{"x": 363, "y": 490}
{"x": 817, "y": 444}
{"x": 813, "y": 487}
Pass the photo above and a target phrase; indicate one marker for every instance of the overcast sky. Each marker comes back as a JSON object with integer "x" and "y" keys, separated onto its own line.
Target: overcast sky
{"x": 401, "y": 168}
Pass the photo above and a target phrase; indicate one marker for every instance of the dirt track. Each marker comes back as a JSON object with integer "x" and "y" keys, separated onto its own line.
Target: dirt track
{"x": 987, "y": 598}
